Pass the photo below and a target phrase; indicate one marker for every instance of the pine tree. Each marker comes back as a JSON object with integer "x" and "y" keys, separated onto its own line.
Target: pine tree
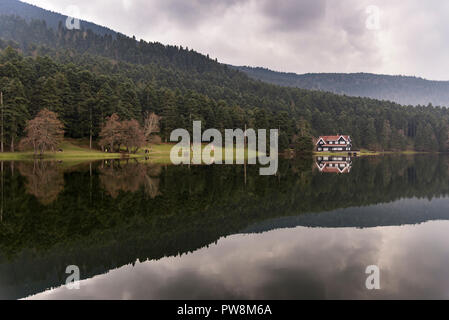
{"x": 46, "y": 96}
{"x": 15, "y": 111}
{"x": 369, "y": 134}
{"x": 169, "y": 115}
{"x": 386, "y": 135}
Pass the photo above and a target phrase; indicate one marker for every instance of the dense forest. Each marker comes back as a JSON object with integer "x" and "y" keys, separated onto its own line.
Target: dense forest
{"x": 401, "y": 89}
{"x": 85, "y": 77}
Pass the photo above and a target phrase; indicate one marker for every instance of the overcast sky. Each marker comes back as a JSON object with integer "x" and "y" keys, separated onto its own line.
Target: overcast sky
{"x": 380, "y": 36}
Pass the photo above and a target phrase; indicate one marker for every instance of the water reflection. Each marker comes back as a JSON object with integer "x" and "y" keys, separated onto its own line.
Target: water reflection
{"x": 45, "y": 179}
{"x": 298, "y": 263}
{"x": 105, "y": 215}
{"x": 334, "y": 164}
{"x": 129, "y": 176}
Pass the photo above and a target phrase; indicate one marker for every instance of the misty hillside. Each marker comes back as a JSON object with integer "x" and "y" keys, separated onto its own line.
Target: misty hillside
{"x": 400, "y": 89}
{"x": 52, "y": 19}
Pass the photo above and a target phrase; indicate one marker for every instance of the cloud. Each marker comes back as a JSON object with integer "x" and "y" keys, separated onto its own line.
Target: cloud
{"x": 287, "y": 15}
{"x": 288, "y": 35}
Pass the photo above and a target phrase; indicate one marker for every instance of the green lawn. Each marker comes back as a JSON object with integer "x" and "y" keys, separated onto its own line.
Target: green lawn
{"x": 72, "y": 150}
{"x": 78, "y": 150}
{"x": 161, "y": 153}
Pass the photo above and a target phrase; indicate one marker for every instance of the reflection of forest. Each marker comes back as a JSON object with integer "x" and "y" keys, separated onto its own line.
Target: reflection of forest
{"x": 45, "y": 179}
{"x": 129, "y": 176}
{"x": 111, "y": 216}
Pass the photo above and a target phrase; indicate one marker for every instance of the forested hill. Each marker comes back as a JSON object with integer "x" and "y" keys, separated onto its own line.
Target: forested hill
{"x": 85, "y": 77}
{"x": 52, "y": 19}
{"x": 401, "y": 89}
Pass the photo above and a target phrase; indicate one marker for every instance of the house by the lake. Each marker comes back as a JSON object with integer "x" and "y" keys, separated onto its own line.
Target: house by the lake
{"x": 338, "y": 143}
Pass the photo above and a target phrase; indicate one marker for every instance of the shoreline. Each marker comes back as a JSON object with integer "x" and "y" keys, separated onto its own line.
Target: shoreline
{"x": 73, "y": 151}
{"x": 366, "y": 153}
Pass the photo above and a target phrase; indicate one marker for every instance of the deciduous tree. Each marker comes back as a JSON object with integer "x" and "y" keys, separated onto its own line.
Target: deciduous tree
{"x": 131, "y": 135}
{"x": 110, "y": 133}
{"x": 44, "y": 132}
{"x": 151, "y": 124}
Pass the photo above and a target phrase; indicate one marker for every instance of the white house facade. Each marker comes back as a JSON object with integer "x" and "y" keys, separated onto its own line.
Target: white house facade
{"x": 338, "y": 143}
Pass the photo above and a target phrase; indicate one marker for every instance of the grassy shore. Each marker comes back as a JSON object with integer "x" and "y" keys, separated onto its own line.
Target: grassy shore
{"x": 160, "y": 153}
{"x": 364, "y": 152}
{"x": 78, "y": 150}
{"x": 72, "y": 150}
{"x": 359, "y": 153}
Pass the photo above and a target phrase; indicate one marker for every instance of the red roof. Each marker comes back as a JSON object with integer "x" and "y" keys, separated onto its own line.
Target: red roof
{"x": 333, "y": 138}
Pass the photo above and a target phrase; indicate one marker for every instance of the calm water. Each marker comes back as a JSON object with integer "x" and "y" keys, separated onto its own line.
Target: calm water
{"x": 141, "y": 231}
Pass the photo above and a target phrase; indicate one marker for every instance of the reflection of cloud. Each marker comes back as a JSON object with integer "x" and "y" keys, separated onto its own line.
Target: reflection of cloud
{"x": 289, "y": 263}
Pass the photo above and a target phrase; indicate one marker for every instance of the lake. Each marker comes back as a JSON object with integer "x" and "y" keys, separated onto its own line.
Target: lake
{"x": 147, "y": 231}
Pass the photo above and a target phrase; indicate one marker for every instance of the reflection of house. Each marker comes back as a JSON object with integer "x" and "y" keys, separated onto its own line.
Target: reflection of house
{"x": 334, "y": 164}
{"x": 336, "y": 143}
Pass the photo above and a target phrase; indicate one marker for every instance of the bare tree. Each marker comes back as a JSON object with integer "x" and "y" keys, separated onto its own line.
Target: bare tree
{"x": 132, "y": 135}
{"x": 110, "y": 133}
{"x": 116, "y": 133}
{"x": 151, "y": 124}
{"x": 44, "y": 132}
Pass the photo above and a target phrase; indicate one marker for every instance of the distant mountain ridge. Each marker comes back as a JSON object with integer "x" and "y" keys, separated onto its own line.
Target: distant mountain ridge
{"x": 405, "y": 90}
{"x": 30, "y": 12}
